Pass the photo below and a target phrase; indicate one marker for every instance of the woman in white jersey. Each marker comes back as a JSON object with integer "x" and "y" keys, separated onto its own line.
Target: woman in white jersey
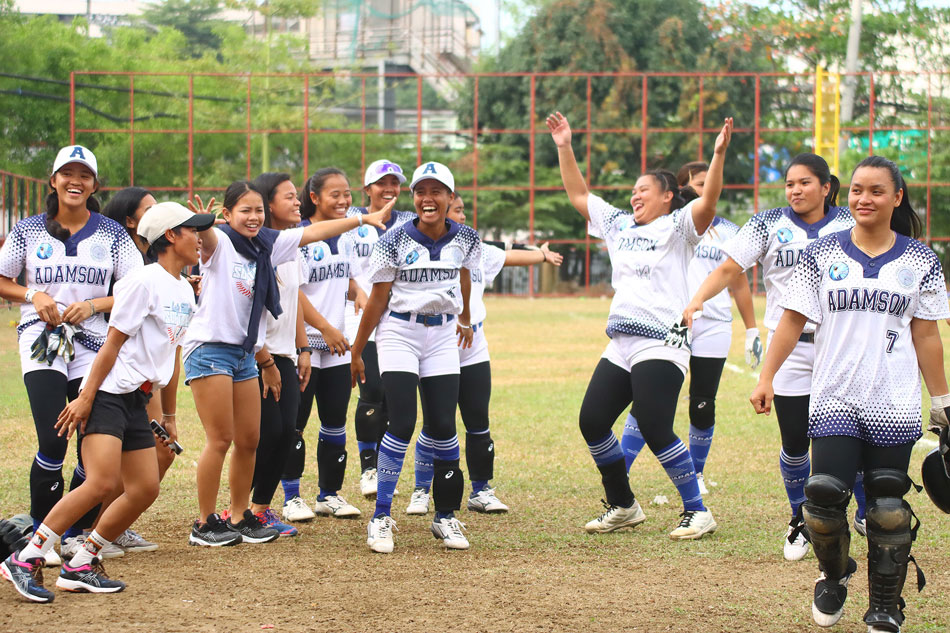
{"x": 648, "y": 354}
{"x": 775, "y": 239}
{"x": 226, "y": 334}
{"x": 152, "y": 308}
{"x": 70, "y": 256}
{"x": 382, "y": 183}
{"x": 711, "y": 336}
{"x": 474, "y": 383}
{"x": 876, "y": 294}
{"x": 421, "y": 275}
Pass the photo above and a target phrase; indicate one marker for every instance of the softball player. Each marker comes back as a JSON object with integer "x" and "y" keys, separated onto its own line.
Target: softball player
{"x": 70, "y": 256}
{"x": 225, "y": 339}
{"x": 474, "y": 384}
{"x": 648, "y": 354}
{"x": 152, "y": 310}
{"x": 775, "y": 239}
{"x": 876, "y": 295}
{"x": 425, "y": 266}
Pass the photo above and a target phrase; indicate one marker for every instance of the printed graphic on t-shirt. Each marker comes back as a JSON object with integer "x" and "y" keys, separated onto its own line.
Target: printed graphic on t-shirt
{"x": 177, "y": 316}
{"x": 244, "y": 276}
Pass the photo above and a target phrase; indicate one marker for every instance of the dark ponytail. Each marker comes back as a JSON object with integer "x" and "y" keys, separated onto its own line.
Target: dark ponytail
{"x": 667, "y": 182}
{"x": 315, "y": 184}
{"x": 905, "y": 220}
{"x": 818, "y": 166}
{"x": 267, "y": 184}
{"x": 53, "y": 227}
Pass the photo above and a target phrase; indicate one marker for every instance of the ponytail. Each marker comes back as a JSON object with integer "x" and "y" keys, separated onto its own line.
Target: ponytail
{"x": 667, "y": 182}
{"x": 831, "y": 199}
{"x": 904, "y": 220}
{"x": 818, "y": 166}
{"x": 53, "y": 227}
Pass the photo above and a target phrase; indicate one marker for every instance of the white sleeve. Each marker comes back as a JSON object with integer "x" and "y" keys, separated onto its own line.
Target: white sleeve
{"x": 932, "y": 303}
{"x": 473, "y": 258}
{"x": 382, "y": 262}
{"x": 286, "y": 246}
{"x": 750, "y": 244}
{"x": 802, "y": 292}
{"x": 133, "y": 304}
{"x": 684, "y": 226}
{"x": 13, "y": 254}
{"x": 126, "y": 256}
{"x": 598, "y": 210}
{"x": 493, "y": 260}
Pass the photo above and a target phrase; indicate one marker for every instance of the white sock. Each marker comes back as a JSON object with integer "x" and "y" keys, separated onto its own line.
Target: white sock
{"x": 89, "y": 550}
{"x": 42, "y": 541}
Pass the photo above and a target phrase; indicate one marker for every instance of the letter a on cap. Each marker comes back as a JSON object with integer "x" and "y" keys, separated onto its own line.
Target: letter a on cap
{"x": 77, "y": 152}
{"x": 430, "y": 169}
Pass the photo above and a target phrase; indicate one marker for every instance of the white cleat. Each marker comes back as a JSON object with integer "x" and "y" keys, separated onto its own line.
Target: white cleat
{"x": 379, "y": 534}
{"x": 695, "y": 524}
{"x": 336, "y": 507}
{"x": 795, "y": 548}
{"x": 701, "y": 481}
{"x": 616, "y": 517}
{"x": 450, "y": 531}
{"x": 418, "y": 502}
{"x": 368, "y": 483}
{"x": 860, "y": 525}
{"x": 485, "y": 501}
{"x": 296, "y": 509}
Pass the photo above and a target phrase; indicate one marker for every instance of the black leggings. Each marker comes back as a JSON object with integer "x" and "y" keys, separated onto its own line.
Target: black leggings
{"x": 440, "y": 396}
{"x": 705, "y": 374}
{"x": 844, "y": 456}
{"x": 653, "y": 386}
{"x": 372, "y": 389}
{"x": 278, "y": 426}
{"x": 331, "y": 389}
{"x": 474, "y": 397}
{"x": 792, "y": 414}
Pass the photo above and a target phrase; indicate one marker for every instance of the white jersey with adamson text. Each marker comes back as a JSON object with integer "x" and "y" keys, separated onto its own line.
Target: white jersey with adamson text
{"x": 775, "y": 239}
{"x": 328, "y": 268}
{"x": 81, "y": 268}
{"x": 281, "y": 338}
{"x": 649, "y": 264}
{"x": 425, "y": 272}
{"x": 227, "y": 293}
{"x": 866, "y": 381}
{"x": 364, "y": 239}
{"x": 706, "y": 259}
{"x": 492, "y": 261}
{"x": 154, "y": 309}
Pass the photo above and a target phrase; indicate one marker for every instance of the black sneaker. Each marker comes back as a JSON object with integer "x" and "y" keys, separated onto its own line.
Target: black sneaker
{"x": 88, "y": 578}
{"x": 830, "y": 596}
{"x": 214, "y": 533}
{"x": 251, "y": 530}
{"x": 27, "y": 577}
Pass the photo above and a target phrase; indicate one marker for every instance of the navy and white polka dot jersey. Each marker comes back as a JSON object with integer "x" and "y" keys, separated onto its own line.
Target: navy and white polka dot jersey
{"x": 649, "y": 264}
{"x": 492, "y": 261}
{"x": 328, "y": 269}
{"x": 866, "y": 381}
{"x": 83, "y": 267}
{"x": 425, "y": 272}
{"x": 775, "y": 239}
{"x": 364, "y": 239}
{"x": 707, "y": 257}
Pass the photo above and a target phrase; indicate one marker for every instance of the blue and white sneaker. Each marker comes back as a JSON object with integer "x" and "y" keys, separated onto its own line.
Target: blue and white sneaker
{"x": 27, "y": 577}
{"x": 268, "y": 519}
{"x": 88, "y": 578}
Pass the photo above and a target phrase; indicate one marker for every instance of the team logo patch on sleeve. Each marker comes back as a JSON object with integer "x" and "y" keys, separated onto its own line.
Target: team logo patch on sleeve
{"x": 906, "y": 277}
{"x": 44, "y": 250}
{"x": 784, "y": 235}
{"x": 838, "y": 271}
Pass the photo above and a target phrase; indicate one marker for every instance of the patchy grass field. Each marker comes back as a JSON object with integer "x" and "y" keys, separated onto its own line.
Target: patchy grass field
{"x": 531, "y": 570}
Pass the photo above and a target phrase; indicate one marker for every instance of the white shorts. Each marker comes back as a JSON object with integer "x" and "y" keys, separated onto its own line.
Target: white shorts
{"x": 794, "y": 376}
{"x": 326, "y": 360}
{"x": 417, "y": 348}
{"x": 352, "y": 324}
{"x": 711, "y": 338}
{"x": 625, "y": 351}
{"x": 478, "y": 352}
{"x": 77, "y": 368}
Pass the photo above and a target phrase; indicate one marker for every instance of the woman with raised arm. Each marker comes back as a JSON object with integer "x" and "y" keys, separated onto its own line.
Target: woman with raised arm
{"x": 648, "y": 354}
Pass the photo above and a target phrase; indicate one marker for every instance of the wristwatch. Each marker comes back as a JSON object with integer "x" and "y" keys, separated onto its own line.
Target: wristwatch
{"x": 301, "y": 350}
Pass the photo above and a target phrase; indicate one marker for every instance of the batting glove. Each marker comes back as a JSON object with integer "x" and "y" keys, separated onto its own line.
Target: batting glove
{"x": 678, "y": 336}
{"x": 939, "y": 413}
{"x": 753, "y": 347}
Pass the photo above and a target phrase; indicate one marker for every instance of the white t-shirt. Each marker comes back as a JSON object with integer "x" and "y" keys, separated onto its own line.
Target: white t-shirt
{"x": 83, "y": 267}
{"x": 866, "y": 381}
{"x": 425, "y": 273}
{"x": 706, "y": 259}
{"x": 154, "y": 309}
{"x": 492, "y": 261}
{"x": 364, "y": 239}
{"x": 649, "y": 264}
{"x": 227, "y": 293}
{"x": 328, "y": 268}
{"x": 775, "y": 239}
{"x": 281, "y": 335}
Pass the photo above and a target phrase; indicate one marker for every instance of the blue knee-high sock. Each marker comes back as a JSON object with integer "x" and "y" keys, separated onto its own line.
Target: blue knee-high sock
{"x": 365, "y": 446}
{"x": 795, "y": 470}
{"x": 425, "y": 468}
{"x": 678, "y": 464}
{"x": 392, "y": 452}
{"x": 631, "y": 441}
{"x": 699, "y": 442}
{"x": 606, "y": 450}
{"x": 859, "y": 497}
{"x": 51, "y": 465}
{"x": 335, "y": 435}
{"x": 445, "y": 451}
{"x": 291, "y": 489}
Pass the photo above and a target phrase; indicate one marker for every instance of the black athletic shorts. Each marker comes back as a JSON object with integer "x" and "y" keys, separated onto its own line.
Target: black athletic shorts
{"x": 122, "y": 416}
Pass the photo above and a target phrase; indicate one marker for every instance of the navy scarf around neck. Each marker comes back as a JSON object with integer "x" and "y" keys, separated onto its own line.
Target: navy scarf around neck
{"x": 266, "y": 294}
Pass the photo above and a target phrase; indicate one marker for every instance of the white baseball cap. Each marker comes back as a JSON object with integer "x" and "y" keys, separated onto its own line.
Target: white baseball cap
{"x": 435, "y": 171}
{"x": 163, "y": 216}
{"x": 76, "y": 154}
{"x": 379, "y": 168}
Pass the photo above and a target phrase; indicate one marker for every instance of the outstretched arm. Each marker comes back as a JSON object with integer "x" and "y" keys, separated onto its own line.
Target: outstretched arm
{"x": 704, "y": 209}
{"x": 529, "y": 256}
{"x": 712, "y": 286}
{"x": 331, "y": 228}
{"x": 571, "y": 174}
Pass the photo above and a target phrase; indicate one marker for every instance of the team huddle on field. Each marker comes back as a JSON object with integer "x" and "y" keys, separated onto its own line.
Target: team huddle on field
{"x": 294, "y": 298}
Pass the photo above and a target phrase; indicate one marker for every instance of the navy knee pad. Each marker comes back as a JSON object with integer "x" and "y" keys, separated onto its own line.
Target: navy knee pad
{"x": 480, "y": 456}
{"x": 331, "y": 465}
{"x": 702, "y": 412}
{"x": 447, "y": 485}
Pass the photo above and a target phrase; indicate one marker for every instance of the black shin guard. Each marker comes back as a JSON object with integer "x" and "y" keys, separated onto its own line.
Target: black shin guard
{"x": 293, "y": 467}
{"x": 889, "y": 542}
{"x": 616, "y": 484}
{"x": 331, "y": 465}
{"x": 447, "y": 485}
{"x": 702, "y": 412}
{"x": 827, "y": 522}
{"x": 370, "y": 422}
{"x": 480, "y": 456}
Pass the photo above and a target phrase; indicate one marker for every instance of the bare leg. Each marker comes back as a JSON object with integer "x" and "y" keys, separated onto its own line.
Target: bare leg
{"x": 213, "y": 400}
{"x": 247, "y": 432}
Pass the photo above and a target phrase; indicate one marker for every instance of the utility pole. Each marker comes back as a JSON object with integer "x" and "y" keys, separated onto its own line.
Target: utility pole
{"x": 851, "y": 61}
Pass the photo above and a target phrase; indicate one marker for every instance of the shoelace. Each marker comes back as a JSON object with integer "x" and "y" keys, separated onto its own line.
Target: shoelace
{"x": 97, "y": 567}
{"x": 387, "y": 525}
{"x": 607, "y": 509}
{"x": 456, "y": 527}
{"x": 687, "y": 517}
{"x": 270, "y": 517}
{"x": 36, "y": 571}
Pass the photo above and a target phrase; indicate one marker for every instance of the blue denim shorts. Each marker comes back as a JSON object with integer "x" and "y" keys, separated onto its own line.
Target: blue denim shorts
{"x": 220, "y": 359}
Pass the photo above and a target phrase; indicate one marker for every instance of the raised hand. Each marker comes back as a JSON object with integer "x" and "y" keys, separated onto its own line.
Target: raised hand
{"x": 560, "y": 129}
{"x": 725, "y": 135}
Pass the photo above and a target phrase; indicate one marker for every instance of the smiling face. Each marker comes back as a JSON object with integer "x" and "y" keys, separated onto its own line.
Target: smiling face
{"x": 456, "y": 211}
{"x": 431, "y": 199}
{"x": 649, "y": 201}
{"x": 73, "y": 184}
{"x": 284, "y": 206}
{"x": 873, "y": 196}
{"x": 247, "y": 215}
{"x": 803, "y": 190}
{"x": 333, "y": 199}
{"x": 382, "y": 191}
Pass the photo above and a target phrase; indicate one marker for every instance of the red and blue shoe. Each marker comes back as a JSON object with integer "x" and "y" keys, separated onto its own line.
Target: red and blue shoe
{"x": 88, "y": 578}
{"x": 27, "y": 577}
{"x": 269, "y": 518}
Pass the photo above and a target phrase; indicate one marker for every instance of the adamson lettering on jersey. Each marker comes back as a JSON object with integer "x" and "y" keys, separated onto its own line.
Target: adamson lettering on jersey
{"x": 867, "y": 300}
{"x": 61, "y": 274}
{"x": 424, "y": 275}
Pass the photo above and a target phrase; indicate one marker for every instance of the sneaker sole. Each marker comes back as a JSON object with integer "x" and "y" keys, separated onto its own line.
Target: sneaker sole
{"x": 143, "y": 548}
{"x": 108, "y": 555}
{"x": 77, "y": 586}
{"x": 485, "y": 510}
{"x": 695, "y": 537}
{"x": 7, "y": 574}
{"x": 252, "y": 540}
{"x": 305, "y": 519}
{"x": 197, "y": 540}
{"x": 380, "y": 547}
{"x": 598, "y": 530}
{"x": 823, "y": 619}
{"x": 417, "y": 511}
{"x": 355, "y": 515}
